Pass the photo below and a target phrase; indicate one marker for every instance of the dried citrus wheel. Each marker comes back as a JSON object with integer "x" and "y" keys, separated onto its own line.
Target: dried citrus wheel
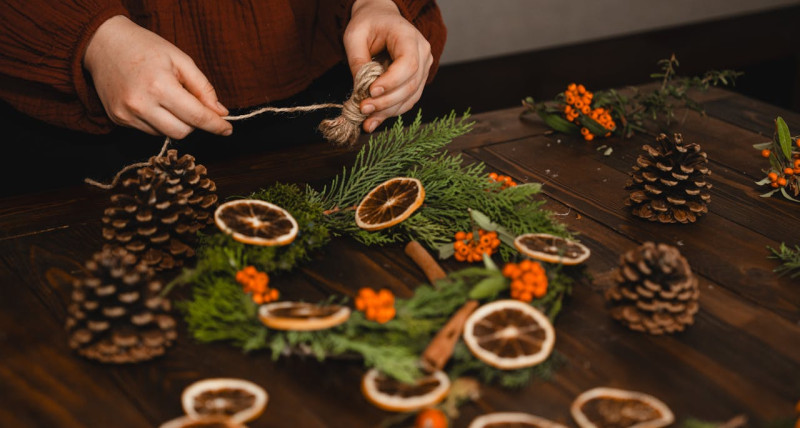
{"x": 237, "y": 399}
{"x": 390, "y": 203}
{"x": 552, "y": 249}
{"x": 256, "y": 222}
{"x": 302, "y": 316}
{"x": 512, "y": 420}
{"x": 392, "y": 395}
{"x": 201, "y": 422}
{"x": 509, "y": 334}
{"x": 610, "y": 407}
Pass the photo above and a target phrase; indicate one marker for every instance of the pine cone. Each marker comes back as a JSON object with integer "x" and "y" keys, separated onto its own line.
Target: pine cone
{"x": 116, "y": 314}
{"x": 654, "y": 290}
{"x": 158, "y": 212}
{"x": 669, "y": 182}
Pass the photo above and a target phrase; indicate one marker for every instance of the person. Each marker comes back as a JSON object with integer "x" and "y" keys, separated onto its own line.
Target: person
{"x": 169, "y": 67}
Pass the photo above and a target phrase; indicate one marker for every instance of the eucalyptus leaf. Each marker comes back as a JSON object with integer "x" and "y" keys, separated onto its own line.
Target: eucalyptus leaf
{"x": 768, "y": 194}
{"x": 784, "y": 137}
{"x": 766, "y": 180}
{"x": 786, "y": 195}
{"x": 762, "y": 146}
{"x": 488, "y": 287}
{"x": 445, "y": 250}
{"x": 489, "y": 263}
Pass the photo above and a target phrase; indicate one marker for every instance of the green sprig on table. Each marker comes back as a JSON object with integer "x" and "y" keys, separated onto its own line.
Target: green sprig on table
{"x": 789, "y": 258}
{"x": 632, "y": 112}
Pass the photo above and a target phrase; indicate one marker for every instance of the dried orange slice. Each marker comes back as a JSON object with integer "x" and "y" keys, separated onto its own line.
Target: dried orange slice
{"x": 512, "y": 420}
{"x": 509, "y": 334}
{"x": 610, "y": 407}
{"x": 237, "y": 399}
{"x": 389, "y": 394}
{"x": 302, "y": 316}
{"x": 552, "y": 249}
{"x": 256, "y": 222}
{"x": 390, "y": 203}
{"x": 201, "y": 422}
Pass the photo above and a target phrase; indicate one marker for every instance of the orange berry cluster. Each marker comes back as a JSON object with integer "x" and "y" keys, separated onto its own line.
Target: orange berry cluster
{"x": 378, "y": 307}
{"x": 256, "y": 282}
{"x": 504, "y": 179}
{"x": 781, "y": 178}
{"x": 472, "y": 250}
{"x": 579, "y": 101}
{"x": 528, "y": 280}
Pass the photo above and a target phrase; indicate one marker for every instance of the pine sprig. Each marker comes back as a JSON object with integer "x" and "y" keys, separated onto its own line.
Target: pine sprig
{"x": 389, "y": 154}
{"x": 789, "y": 258}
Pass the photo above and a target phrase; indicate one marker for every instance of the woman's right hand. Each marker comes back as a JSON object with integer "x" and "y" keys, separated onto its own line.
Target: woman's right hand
{"x": 146, "y": 82}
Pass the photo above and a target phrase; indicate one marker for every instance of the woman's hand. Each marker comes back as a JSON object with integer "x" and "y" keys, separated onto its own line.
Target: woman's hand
{"x": 147, "y": 83}
{"x": 375, "y": 26}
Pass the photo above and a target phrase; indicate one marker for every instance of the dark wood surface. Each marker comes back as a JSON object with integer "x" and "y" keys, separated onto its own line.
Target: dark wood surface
{"x": 742, "y": 356}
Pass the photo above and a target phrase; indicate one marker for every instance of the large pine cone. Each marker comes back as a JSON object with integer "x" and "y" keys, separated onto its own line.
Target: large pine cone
{"x": 669, "y": 183}
{"x": 117, "y": 314}
{"x": 654, "y": 291}
{"x": 159, "y": 211}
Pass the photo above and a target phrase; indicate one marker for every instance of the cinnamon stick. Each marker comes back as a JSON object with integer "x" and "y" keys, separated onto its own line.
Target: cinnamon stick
{"x": 441, "y": 347}
{"x": 425, "y": 261}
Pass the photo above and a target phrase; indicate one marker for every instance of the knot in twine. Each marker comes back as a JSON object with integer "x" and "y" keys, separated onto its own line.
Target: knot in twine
{"x": 345, "y": 129}
{"x": 341, "y": 131}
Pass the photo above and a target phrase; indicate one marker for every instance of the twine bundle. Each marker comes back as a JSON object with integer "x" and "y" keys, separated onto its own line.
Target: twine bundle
{"x": 341, "y": 131}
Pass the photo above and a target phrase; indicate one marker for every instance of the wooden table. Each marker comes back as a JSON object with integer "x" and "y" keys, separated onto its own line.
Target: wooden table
{"x": 742, "y": 356}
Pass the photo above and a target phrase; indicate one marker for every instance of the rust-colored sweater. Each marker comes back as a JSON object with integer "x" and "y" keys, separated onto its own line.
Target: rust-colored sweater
{"x": 253, "y": 51}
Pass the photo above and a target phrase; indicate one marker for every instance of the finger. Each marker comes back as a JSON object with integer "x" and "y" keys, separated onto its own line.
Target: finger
{"x": 405, "y": 65}
{"x": 198, "y": 85}
{"x": 167, "y": 124}
{"x": 192, "y": 112}
{"x": 144, "y": 126}
{"x": 391, "y": 99}
{"x": 357, "y": 47}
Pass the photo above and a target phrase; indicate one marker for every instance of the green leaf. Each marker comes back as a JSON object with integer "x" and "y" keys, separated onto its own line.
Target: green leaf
{"x": 762, "y": 146}
{"x": 593, "y": 126}
{"x": 446, "y": 250}
{"x": 764, "y": 181}
{"x": 786, "y": 195}
{"x": 488, "y": 287}
{"x": 489, "y": 263}
{"x": 557, "y": 122}
{"x": 768, "y": 194}
{"x": 784, "y": 137}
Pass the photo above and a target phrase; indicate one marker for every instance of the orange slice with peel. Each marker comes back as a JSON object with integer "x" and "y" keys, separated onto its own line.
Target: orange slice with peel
{"x": 236, "y": 399}
{"x": 509, "y": 334}
{"x": 390, "y": 394}
{"x": 552, "y": 249}
{"x": 201, "y": 422}
{"x": 603, "y": 407}
{"x": 256, "y": 222}
{"x": 302, "y": 316}
{"x": 390, "y": 203}
{"x": 512, "y": 420}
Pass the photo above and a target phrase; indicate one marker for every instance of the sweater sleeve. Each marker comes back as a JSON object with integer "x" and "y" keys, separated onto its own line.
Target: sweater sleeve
{"x": 41, "y": 60}
{"x": 425, "y": 15}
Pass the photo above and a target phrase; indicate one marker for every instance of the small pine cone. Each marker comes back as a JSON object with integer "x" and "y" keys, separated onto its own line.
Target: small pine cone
{"x": 159, "y": 211}
{"x": 669, "y": 183}
{"x": 117, "y": 314}
{"x": 654, "y": 290}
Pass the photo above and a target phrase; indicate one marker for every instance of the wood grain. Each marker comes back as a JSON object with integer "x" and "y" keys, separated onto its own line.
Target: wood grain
{"x": 742, "y": 355}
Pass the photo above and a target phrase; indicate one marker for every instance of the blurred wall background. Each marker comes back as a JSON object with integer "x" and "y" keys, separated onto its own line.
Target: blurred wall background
{"x": 479, "y": 29}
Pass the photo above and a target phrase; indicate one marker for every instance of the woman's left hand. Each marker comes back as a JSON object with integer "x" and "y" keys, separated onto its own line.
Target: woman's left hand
{"x": 375, "y": 26}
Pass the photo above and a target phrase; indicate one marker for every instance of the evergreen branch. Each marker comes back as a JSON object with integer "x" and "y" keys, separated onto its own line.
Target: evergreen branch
{"x": 789, "y": 258}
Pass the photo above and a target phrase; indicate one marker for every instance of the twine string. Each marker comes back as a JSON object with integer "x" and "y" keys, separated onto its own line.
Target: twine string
{"x": 341, "y": 131}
